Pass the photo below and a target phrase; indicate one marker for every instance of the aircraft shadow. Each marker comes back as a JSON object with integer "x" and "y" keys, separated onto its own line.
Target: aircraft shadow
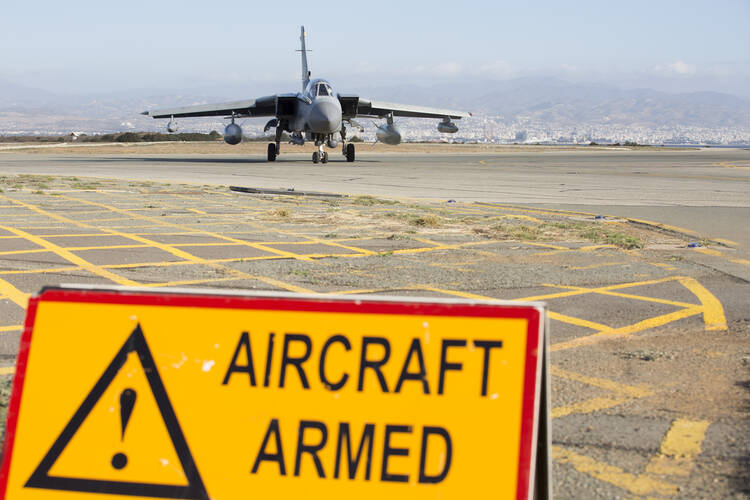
{"x": 201, "y": 160}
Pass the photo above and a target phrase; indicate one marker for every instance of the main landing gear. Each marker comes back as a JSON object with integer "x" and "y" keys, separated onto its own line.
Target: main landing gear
{"x": 348, "y": 151}
{"x": 275, "y": 148}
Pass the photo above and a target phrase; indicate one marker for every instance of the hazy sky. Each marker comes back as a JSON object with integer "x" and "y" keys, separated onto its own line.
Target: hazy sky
{"x": 87, "y": 46}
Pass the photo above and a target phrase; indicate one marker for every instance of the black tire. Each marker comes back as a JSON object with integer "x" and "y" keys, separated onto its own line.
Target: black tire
{"x": 272, "y": 152}
{"x": 350, "y": 152}
{"x": 316, "y": 157}
{"x": 325, "y": 157}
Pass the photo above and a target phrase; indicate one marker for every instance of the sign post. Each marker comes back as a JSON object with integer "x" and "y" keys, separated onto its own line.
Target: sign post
{"x": 203, "y": 394}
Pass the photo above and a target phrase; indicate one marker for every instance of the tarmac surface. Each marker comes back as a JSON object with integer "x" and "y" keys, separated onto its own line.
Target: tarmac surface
{"x": 650, "y": 332}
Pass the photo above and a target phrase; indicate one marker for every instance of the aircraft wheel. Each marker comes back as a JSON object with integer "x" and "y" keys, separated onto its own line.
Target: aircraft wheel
{"x": 325, "y": 157}
{"x": 350, "y": 153}
{"x": 272, "y": 152}
{"x": 316, "y": 157}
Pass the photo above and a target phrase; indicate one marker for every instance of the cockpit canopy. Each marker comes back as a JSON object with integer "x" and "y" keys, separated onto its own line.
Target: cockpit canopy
{"x": 318, "y": 88}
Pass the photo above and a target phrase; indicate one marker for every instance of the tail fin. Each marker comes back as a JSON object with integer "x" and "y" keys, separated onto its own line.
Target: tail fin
{"x": 303, "y": 51}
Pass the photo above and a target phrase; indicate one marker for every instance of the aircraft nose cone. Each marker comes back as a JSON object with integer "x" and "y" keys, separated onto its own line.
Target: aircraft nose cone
{"x": 325, "y": 117}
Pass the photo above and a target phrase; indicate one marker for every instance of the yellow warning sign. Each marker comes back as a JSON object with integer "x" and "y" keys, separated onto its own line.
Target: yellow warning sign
{"x": 197, "y": 396}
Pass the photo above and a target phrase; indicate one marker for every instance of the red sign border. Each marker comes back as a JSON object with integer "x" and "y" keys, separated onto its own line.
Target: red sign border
{"x": 312, "y": 303}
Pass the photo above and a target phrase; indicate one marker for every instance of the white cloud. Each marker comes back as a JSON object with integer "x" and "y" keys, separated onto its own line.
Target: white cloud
{"x": 497, "y": 69}
{"x": 676, "y": 68}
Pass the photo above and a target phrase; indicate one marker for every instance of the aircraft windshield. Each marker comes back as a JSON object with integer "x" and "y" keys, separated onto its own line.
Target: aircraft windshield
{"x": 324, "y": 89}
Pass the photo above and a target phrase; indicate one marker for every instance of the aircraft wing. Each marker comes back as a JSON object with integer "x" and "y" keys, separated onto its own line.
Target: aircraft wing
{"x": 263, "y": 106}
{"x": 354, "y": 106}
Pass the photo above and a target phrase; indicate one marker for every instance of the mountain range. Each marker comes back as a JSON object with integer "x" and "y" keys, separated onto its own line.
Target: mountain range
{"x": 548, "y": 102}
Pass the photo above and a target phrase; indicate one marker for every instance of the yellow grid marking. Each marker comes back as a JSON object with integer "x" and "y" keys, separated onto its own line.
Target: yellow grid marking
{"x": 190, "y": 282}
{"x": 578, "y": 321}
{"x": 639, "y": 485}
{"x": 626, "y": 330}
{"x": 626, "y": 295}
{"x": 12, "y": 328}
{"x": 123, "y": 281}
{"x": 42, "y": 271}
{"x": 726, "y": 242}
{"x": 21, "y": 252}
{"x": 610, "y": 385}
{"x": 589, "y": 405}
{"x": 713, "y": 311}
{"x": 597, "y": 266}
{"x": 184, "y": 228}
{"x": 663, "y": 266}
{"x": 73, "y": 258}
{"x": 680, "y": 447}
{"x": 7, "y": 370}
{"x": 709, "y": 251}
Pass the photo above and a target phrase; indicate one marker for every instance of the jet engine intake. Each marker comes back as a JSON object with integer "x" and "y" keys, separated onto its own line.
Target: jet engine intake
{"x": 233, "y": 134}
{"x": 388, "y": 133}
{"x": 172, "y": 126}
{"x": 447, "y": 127}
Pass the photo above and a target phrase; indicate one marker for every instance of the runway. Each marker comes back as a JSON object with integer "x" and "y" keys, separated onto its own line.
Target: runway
{"x": 607, "y": 181}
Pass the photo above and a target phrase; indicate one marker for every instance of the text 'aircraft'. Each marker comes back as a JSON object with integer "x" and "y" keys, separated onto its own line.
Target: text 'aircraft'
{"x": 315, "y": 114}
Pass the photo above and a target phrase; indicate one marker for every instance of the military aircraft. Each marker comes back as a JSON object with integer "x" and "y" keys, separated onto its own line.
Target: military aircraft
{"x": 315, "y": 114}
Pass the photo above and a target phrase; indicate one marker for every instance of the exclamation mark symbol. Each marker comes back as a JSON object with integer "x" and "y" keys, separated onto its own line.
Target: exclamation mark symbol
{"x": 127, "y": 403}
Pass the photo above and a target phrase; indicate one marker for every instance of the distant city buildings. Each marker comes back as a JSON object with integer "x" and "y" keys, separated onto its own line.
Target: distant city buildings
{"x": 479, "y": 129}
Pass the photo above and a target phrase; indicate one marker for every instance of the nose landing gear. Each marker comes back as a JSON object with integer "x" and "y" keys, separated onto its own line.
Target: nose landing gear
{"x": 320, "y": 155}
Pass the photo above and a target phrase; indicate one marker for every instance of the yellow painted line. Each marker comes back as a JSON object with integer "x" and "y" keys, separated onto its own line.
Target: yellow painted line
{"x": 362, "y": 291}
{"x": 597, "y": 266}
{"x": 174, "y": 251}
{"x": 680, "y": 447}
{"x": 111, "y": 247}
{"x": 664, "y": 226}
{"x": 740, "y": 261}
{"x": 22, "y": 252}
{"x": 663, "y": 266}
{"x": 553, "y": 315}
{"x": 7, "y": 370}
{"x": 591, "y": 248}
{"x": 726, "y": 242}
{"x": 12, "y": 328}
{"x": 610, "y": 385}
{"x": 42, "y": 271}
{"x": 514, "y": 216}
{"x": 13, "y": 294}
{"x": 589, "y": 406}
{"x": 713, "y": 311}
{"x": 726, "y": 164}
{"x": 183, "y": 227}
{"x": 578, "y": 321}
{"x": 629, "y": 296}
{"x": 639, "y": 485}
{"x": 191, "y": 282}
{"x": 73, "y": 258}
{"x": 218, "y": 244}
{"x": 627, "y": 330}
{"x": 457, "y": 293}
{"x": 581, "y": 291}
{"x": 709, "y": 251}
{"x": 74, "y": 235}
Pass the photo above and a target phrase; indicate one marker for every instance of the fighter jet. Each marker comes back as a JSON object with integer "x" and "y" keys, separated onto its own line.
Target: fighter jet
{"x": 316, "y": 114}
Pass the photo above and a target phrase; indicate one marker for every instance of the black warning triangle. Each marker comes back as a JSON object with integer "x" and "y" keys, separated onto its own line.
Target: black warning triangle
{"x": 195, "y": 490}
